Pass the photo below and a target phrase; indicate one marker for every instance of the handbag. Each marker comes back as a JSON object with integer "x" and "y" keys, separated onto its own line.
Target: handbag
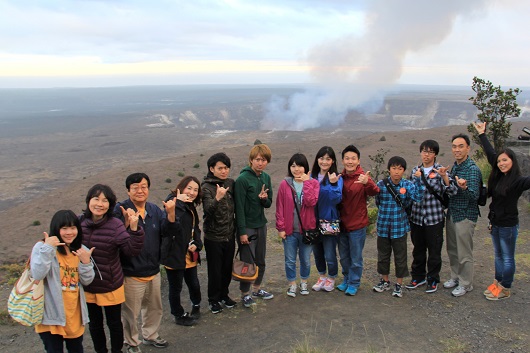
{"x": 243, "y": 271}
{"x": 311, "y": 236}
{"x": 329, "y": 227}
{"x": 26, "y": 301}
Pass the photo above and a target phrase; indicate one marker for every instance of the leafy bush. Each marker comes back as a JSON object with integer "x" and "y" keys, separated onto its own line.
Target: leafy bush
{"x": 35, "y": 223}
{"x": 181, "y": 174}
{"x": 168, "y": 180}
{"x": 196, "y": 165}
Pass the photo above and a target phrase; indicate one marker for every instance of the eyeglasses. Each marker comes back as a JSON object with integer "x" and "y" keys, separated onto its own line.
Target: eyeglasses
{"x": 137, "y": 187}
{"x": 428, "y": 152}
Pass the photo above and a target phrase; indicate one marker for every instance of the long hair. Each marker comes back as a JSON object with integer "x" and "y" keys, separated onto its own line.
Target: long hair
{"x": 182, "y": 185}
{"x": 498, "y": 180}
{"x": 66, "y": 218}
{"x": 316, "y": 169}
{"x": 97, "y": 190}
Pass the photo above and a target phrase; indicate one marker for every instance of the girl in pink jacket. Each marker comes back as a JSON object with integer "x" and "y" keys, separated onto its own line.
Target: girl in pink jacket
{"x": 297, "y": 187}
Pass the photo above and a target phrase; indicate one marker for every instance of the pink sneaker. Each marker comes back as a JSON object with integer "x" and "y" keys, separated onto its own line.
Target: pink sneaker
{"x": 320, "y": 283}
{"x": 329, "y": 285}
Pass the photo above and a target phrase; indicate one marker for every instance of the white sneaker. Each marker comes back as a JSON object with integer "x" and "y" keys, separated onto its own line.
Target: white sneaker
{"x": 329, "y": 285}
{"x": 320, "y": 283}
{"x": 451, "y": 283}
{"x": 461, "y": 290}
{"x": 303, "y": 288}
{"x": 292, "y": 290}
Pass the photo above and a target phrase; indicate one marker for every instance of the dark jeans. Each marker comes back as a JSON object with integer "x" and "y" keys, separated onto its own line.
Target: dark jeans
{"x": 325, "y": 254}
{"x": 427, "y": 240}
{"x": 174, "y": 278}
{"x": 219, "y": 256}
{"x": 97, "y": 330}
{"x": 259, "y": 249}
{"x": 385, "y": 246}
{"x": 54, "y": 343}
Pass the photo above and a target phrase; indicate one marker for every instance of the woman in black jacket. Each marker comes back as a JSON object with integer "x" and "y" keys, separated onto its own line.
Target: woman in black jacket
{"x": 180, "y": 248}
{"x": 505, "y": 186}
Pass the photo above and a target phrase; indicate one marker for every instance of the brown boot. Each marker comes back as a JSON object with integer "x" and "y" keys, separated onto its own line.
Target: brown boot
{"x": 504, "y": 293}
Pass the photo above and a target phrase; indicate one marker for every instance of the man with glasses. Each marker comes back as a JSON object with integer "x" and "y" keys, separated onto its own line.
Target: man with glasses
{"x": 142, "y": 272}
{"x": 427, "y": 219}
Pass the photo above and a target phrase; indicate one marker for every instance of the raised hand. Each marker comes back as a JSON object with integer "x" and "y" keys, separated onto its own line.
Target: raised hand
{"x": 169, "y": 205}
{"x": 363, "y": 178}
{"x": 480, "y": 127}
{"x": 418, "y": 172}
{"x": 442, "y": 171}
{"x": 182, "y": 197}
{"x": 133, "y": 220}
{"x": 52, "y": 240}
{"x": 301, "y": 178}
{"x": 462, "y": 183}
{"x": 221, "y": 192}
{"x": 333, "y": 178}
{"x": 263, "y": 194}
{"x": 126, "y": 213}
{"x": 83, "y": 255}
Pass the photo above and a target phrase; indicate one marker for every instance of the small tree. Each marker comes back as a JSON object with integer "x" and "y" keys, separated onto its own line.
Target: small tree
{"x": 495, "y": 107}
{"x": 378, "y": 161}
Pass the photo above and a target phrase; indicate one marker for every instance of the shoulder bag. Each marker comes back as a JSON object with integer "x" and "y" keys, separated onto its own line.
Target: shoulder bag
{"x": 311, "y": 236}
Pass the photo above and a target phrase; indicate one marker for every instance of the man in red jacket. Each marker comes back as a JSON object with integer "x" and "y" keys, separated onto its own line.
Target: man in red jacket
{"x": 353, "y": 218}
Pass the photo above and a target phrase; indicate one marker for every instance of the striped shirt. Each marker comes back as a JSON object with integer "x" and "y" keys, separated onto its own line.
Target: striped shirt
{"x": 464, "y": 204}
{"x": 392, "y": 220}
{"x": 430, "y": 211}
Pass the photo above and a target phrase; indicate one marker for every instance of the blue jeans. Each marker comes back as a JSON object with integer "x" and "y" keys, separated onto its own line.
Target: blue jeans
{"x": 325, "y": 254}
{"x": 504, "y": 239}
{"x": 291, "y": 245}
{"x": 351, "y": 247}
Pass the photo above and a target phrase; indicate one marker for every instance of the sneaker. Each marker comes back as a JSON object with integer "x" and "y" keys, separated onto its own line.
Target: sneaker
{"x": 381, "y": 286}
{"x": 215, "y": 307}
{"x": 228, "y": 302}
{"x": 432, "y": 287}
{"x": 415, "y": 283}
{"x": 159, "y": 342}
{"x": 343, "y": 286}
{"x": 185, "y": 320}
{"x": 248, "y": 301}
{"x": 320, "y": 283}
{"x": 351, "y": 291}
{"x": 491, "y": 288}
{"x": 263, "y": 294}
{"x": 461, "y": 290}
{"x": 133, "y": 349}
{"x": 303, "y": 288}
{"x": 329, "y": 285}
{"x": 398, "y": 293}
{"x": 451, "y": 283}
{"x": 195, "y": 312}
{"x": 292, "y": 291}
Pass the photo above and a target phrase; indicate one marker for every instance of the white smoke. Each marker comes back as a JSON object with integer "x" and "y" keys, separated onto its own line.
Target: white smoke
{"x": 351, "y": 71}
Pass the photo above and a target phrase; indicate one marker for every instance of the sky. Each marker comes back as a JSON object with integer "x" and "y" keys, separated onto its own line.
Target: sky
{"x": 93, "y": 43}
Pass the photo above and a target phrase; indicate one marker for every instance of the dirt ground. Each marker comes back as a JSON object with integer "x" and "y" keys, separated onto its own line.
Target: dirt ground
{"x": 325, "y": 322}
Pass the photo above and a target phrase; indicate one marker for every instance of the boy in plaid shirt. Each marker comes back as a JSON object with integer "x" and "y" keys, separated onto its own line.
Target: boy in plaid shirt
{"x": 393, "y": 223}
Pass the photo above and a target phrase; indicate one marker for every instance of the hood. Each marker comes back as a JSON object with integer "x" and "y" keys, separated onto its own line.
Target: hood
{"x": 358, "y": 171}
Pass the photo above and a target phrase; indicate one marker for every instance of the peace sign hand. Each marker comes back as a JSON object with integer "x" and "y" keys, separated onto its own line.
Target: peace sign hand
{"x": 263, "y": 194}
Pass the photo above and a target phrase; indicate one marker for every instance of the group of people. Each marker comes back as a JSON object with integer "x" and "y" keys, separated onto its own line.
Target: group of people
{"x": 106, "y": 262}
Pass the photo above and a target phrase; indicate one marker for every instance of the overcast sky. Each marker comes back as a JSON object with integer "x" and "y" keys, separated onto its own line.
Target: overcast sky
{"x": 129, "y": 42}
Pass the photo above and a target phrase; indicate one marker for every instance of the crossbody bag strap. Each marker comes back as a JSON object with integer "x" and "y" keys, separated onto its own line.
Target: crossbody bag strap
{"x": 392, "y": 192}
{"x": 430, "y": 188}
{"x": 297, "y": 211}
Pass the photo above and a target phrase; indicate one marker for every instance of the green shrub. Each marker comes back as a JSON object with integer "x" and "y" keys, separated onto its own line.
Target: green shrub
{"x": 382, "y": 138}
{"x": 485, "y": 168}
{"x": 181, "y": 174}
{"x": 196, "y": 165}
{"x": 168, "y": 180}
{"x": 13, "y": 272}
{"x": 35, "y": 223}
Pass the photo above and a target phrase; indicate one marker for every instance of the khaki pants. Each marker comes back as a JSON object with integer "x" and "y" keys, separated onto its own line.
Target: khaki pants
{"x": 141, "y": 298}
{"x": 460, "y": 250}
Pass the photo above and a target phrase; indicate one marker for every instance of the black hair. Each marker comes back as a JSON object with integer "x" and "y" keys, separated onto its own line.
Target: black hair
{"x": 97, "y": 190}
{"x": 397, "y": 161}
{"x": 66, "y": 218}
{"x": 464, "y": 136}
{"x": 500, "y": 181}
{"x": 430, "y": 145}
{"x": 321, "y": 153}
{"x": 218, "y": 157}
{"x": 300, "y": 160}
{"x": 136, "y": 178}
{"x": 351, "y": 148}
{"x": 182, "y": 185}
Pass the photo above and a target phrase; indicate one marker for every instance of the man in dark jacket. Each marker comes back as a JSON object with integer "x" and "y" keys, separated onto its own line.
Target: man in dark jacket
{"x": 142, "y": 273}
{"x": 219, "y": 229}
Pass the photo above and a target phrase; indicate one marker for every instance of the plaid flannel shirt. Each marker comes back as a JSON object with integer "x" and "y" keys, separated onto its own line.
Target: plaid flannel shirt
{"x": 464, "y": 204}
{"x": 430, "y": 210}
{"x": 392, "y": 220}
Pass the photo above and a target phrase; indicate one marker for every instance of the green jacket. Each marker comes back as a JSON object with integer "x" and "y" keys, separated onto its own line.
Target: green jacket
{"x": 249, "y": 207}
